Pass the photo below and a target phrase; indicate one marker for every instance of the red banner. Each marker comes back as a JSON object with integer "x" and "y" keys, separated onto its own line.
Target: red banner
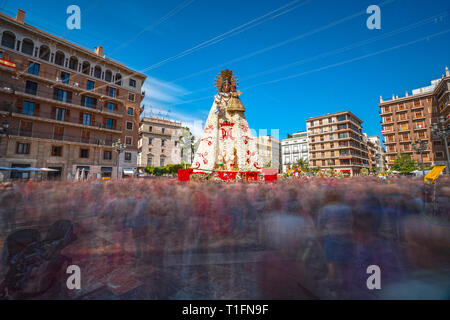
{"x": 251, "y": 176}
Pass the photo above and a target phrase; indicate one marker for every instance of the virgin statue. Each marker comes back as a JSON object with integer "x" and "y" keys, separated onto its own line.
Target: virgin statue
{"x": 226, "y": 143}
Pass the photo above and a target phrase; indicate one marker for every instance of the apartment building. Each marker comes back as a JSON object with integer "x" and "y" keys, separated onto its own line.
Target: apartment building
{"x": 269, "y": 151}
{"x": 159, "y": 142}
{"x": 408, "y": 119}
{"x": 294, "y": 148}
{"x": 64, "y": 105}
{"x": 376, "y": 152}
{"x": 336, "y": 141}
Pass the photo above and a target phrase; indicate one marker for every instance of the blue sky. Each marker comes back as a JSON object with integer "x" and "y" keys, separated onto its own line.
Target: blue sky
{"x": 295, "y": 58}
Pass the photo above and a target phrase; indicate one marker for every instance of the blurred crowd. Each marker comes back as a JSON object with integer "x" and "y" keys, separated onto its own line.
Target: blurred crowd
{"x": 314, "y": 237}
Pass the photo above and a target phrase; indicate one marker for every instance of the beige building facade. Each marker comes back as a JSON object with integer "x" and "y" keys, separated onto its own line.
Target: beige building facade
{"x": 65, "y": 106}
{"x": 159, "y": 142}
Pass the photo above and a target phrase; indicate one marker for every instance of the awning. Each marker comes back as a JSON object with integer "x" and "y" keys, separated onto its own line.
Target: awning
{"x": 128, "y": 171}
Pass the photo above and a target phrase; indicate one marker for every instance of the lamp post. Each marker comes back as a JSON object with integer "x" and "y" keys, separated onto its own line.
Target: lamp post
{"x": 118, "y": 147}
{"x": 420, "y": 146}
{"x": 440, "y": 130}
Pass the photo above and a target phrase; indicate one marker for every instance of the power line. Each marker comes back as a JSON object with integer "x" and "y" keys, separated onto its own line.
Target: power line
{"x": 151, "y": 26}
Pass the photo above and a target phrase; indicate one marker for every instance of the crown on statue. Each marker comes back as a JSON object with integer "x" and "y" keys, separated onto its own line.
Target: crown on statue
{"x": 226, "y": 76}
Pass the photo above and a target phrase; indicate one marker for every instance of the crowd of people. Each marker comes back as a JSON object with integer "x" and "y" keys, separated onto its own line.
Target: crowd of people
{"x": 314, "y": 237}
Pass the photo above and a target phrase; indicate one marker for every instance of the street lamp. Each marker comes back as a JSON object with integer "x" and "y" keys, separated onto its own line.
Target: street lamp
{"x": 441, "y": 131}
{"x": 420, "y": 146}
{"x": 118, "y": 147}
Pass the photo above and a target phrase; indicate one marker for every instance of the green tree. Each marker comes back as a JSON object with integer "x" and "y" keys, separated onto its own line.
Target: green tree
{"x": 289, "y": 136}
{"x": 302, "y": 164}
{"x": 404, "y": 163}
{"x": 364, "y": 172}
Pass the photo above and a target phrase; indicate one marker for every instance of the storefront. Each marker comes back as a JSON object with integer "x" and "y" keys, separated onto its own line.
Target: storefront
{"x": 106, "y": 173}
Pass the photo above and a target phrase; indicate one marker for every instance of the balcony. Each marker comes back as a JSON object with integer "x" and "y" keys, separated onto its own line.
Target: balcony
{"x": 65, "y": 138}
{"x": 51, "y": 99}
{"x": 55, "y": 79}
{"x": 50, "y": 117}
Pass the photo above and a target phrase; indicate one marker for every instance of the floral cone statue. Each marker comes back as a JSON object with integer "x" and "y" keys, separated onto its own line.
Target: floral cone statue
{"x": 226, "y": 143}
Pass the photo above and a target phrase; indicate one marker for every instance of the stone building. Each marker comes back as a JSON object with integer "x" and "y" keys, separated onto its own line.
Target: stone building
{"x": 293, "y": 149}
{"x": 269, "y": 151}
{"x": 159, "y": 142}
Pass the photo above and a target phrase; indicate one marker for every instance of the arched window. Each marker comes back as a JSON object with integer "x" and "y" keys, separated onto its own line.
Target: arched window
{"x": 44, "y": 52}
{"x": 108, "y": 75}
{"x": 27, "y": 46}
{"x": 118, "y": 79}
{"x": 98, "y": 72}
{"x": 59, "y": 58}
{"x": 73, "y": 63}
{"x": 8, "y": 39}
{"x": 86, "y": 68}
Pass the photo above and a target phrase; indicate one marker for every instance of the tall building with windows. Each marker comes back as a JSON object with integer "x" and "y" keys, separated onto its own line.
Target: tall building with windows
{"x": 293, "y": 149}
{"x": 336, "y": 141}
{"x": 376, "y": 152}
{"x": 64, "y": 104}
{"x": 408, "y": 119}
{"x": 269, "y": 151}
{"x": 159, "y": 142}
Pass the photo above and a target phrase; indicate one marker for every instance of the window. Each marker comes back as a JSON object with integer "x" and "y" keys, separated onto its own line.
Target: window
{"x": 133, "y": 83}
{"x": 59, "y": 58}
{"x": 128, "y": 140}
{"x": 60, "y": 114}
{"x": 88, "y": 102}
{"x": 342, "y": 118}
{"x": 131, "y": 97}
{"x": 87, "y": 119}
{"x": 27, "y": 46}
{"x": 150, "y": 129}
{"x": 129, "y": 125}
{"x": 31, "y": 87}
{"x": 98, "y": 72}
{"x": 86, "y": 68}
{"x": 111, "y": 107}
{"x": 163, "y": 130}
{"x": 33, "y": 68}
{"x": 163, "y": 143}
{"x": 437, "y": 143}
{"x": 150, "y": 141}
{"x": 107, "y": 155}
{"x": 109, "y": 123}
{"x": 84, "y": 153}
{"x": 73, "y": 63}
{"x": 130, "y": 111}
{"x": 8, "y": 40}
{"x": 22, "y": 148}
{"x": 65, "y": 77}
{"x": 56, "y": 151}
{"x": 63, "y": 95}
{"x": 112, "y": 92}
{"x": 127, "y": 156}
{"x": 119, "y": 79}
{"x": 108, "y": 75}
{"x": 58, "y": 132}
{"x": 161, "y": 162}
{"x": 439, "y": 154}
{"x": 28, "y": 108}
{"x": 149, "y": 161}
{"x": 90, "y": 85}
{"x": 343, "y": 135}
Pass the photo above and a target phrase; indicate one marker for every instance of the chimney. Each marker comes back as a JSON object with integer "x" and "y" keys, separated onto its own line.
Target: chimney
{"x": 393, "y": 97}
{"x": 447, "y": 73}
{"x": 407, "y": 94}
{"x": 99, "y": 51}
{"x": 20, "y": 16}
{"x": 381, "y": 99}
